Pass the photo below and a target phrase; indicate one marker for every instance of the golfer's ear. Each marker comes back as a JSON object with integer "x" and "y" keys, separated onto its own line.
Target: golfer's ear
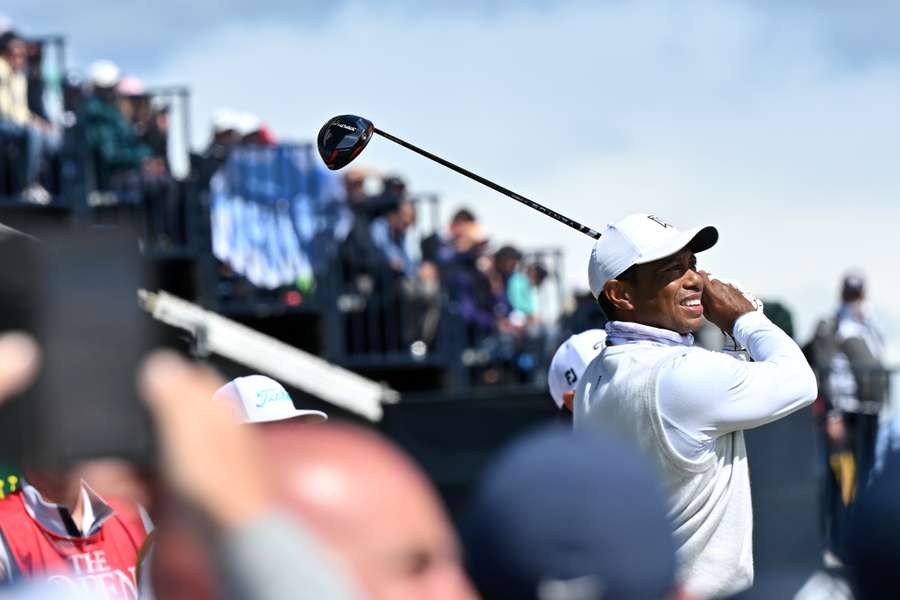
{"x": 618, "y": 293}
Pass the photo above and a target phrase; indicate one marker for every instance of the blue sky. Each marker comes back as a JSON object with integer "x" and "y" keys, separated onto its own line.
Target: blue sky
{"x": 778, "y": 124}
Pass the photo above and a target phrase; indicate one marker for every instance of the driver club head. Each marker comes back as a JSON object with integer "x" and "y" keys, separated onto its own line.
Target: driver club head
{"x": 342, "y": 138}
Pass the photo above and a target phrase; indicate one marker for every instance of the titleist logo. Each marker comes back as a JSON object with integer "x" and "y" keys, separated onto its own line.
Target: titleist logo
{"x": 347, "y": 127}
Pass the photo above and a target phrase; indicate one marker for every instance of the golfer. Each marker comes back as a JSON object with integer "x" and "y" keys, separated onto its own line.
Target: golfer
{"x": 684, "y": 406}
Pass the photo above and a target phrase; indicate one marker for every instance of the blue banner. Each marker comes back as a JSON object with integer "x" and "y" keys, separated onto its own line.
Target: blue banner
{"x": 276, "y": 214}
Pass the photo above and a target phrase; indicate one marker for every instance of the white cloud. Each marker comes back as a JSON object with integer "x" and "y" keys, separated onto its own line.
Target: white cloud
{"x": 700, "y": 112}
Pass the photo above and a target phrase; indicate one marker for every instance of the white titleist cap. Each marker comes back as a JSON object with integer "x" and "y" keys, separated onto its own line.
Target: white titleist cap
{"x": 639, "y": 239}
{"x": 260, "y": 399}
{"x": 571, "y": 359}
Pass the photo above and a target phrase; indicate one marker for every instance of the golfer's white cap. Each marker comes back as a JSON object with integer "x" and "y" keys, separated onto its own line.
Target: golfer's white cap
{"x": 104, "y": 74}
{"x": 571, "y": 359}
{"x": 639, "y": 239}
{"x": 260, "y": 399}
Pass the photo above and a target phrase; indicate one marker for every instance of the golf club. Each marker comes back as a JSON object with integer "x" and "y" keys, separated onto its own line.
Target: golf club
{"x": 343, "y": 138}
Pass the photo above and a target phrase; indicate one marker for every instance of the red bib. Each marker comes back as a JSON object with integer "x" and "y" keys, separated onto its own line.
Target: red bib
{"x": 101, "y": 565}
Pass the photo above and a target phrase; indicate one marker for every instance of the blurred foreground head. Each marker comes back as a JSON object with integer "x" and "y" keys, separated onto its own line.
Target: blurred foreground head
{"x": 365, "y": 500}
{"x": 565, "y": 515}
{"x": 372, "y": 507}
{"x": 873, "y": 550}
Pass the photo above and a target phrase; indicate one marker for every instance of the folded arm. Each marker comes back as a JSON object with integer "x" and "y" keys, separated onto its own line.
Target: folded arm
{"x": 709, "y": 394}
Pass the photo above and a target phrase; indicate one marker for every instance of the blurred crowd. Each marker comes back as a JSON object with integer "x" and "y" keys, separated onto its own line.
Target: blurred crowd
{"x": 419, "y": 285}
{"x": 103, "y": 126}
{"x": 493, "y": 292}
{"x": 25, "y": 125}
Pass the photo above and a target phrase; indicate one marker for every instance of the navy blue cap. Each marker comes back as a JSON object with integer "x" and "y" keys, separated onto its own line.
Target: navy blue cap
{"x": 569, "y": 515}
{"x": 873, "y": 546}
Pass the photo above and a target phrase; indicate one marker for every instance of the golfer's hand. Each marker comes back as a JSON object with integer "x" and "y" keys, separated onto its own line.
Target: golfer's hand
{"x": 723, "y": 303}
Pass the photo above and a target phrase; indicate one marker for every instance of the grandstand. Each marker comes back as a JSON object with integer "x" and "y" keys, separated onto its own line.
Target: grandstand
{"x": 260, "y": 233}
{"x": 259, "y": 237}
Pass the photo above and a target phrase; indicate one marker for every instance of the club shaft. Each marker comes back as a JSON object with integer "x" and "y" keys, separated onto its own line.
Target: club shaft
{"x": 498, "y": 188}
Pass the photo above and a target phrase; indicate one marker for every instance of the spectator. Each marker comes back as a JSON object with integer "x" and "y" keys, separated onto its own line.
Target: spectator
{"x": 132, "y": 99}
{"x": 220, "y": 490}
{"x": 522, "y": 290}
{"x": 468, "y": 287}
{"x": 357, "y": 250}
{"x": 149, "y": 119}
{"x": 562, "y": 514}
{"x": 154, "y": 133}
{"x": 253, "y": 131}
{"x": 394, "y": 187}
{"x": 36, "y": 88}
{"x": 17, "y": 123}
{"x": 374, "y": 510}
{"x": 506, "y": 261}
{"x": 393, "y": 193}
{"x": 354, "y": 185}
{"x": 117, "y": 152}
{"x": 410, "y": 287}
{"x": 391, "y": 236}
{"x": 372, "y": 507}
{"x": 569, "y": 363}
{"x": 174, "y": 559}
{"x": 857, "y": 385}
{"x": 56, "y": 527}
{"x": 439, "y": 248}
{"x": 847, "y": 355}
{"x": 126, "y": 170}
{"x": 873, "y": 554}
{"x": 130, "y": 86}
{"x": 358, "y": 254}
{"x": 223, "y": 139}
{"x": 261, "y": 400}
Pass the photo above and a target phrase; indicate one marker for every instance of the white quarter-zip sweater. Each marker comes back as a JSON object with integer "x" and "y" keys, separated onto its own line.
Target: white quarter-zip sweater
{"x": 686, "y": 408}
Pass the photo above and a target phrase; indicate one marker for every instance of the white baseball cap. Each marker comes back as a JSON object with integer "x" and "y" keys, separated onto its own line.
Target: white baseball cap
{"x": 225, "y": 119}
{"x": 260, "y": 399}
{"x": 246, "y": 123}
{"x": 639, "y": 239}
{"x": 104, "y": 73}
{"x": 571, "y": 359}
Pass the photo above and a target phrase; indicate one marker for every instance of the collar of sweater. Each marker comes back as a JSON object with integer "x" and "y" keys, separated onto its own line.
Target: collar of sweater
{"x": 623, "y": 332}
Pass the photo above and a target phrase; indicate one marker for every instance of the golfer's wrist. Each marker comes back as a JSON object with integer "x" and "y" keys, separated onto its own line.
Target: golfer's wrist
{"x": 746, "y": 324}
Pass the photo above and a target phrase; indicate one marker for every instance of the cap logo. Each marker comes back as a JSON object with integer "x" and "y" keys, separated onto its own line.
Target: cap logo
{"x": 656, "y": 219}
{"x": 263, "y": 397}
{"x": 570, "y": 376}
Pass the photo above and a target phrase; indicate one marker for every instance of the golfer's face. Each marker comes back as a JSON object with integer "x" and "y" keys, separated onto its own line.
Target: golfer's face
{"x": 667, "y": 292}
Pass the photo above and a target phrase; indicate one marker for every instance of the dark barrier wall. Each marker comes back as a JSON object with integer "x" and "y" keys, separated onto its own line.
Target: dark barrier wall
{"x": 453, "y": 437}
